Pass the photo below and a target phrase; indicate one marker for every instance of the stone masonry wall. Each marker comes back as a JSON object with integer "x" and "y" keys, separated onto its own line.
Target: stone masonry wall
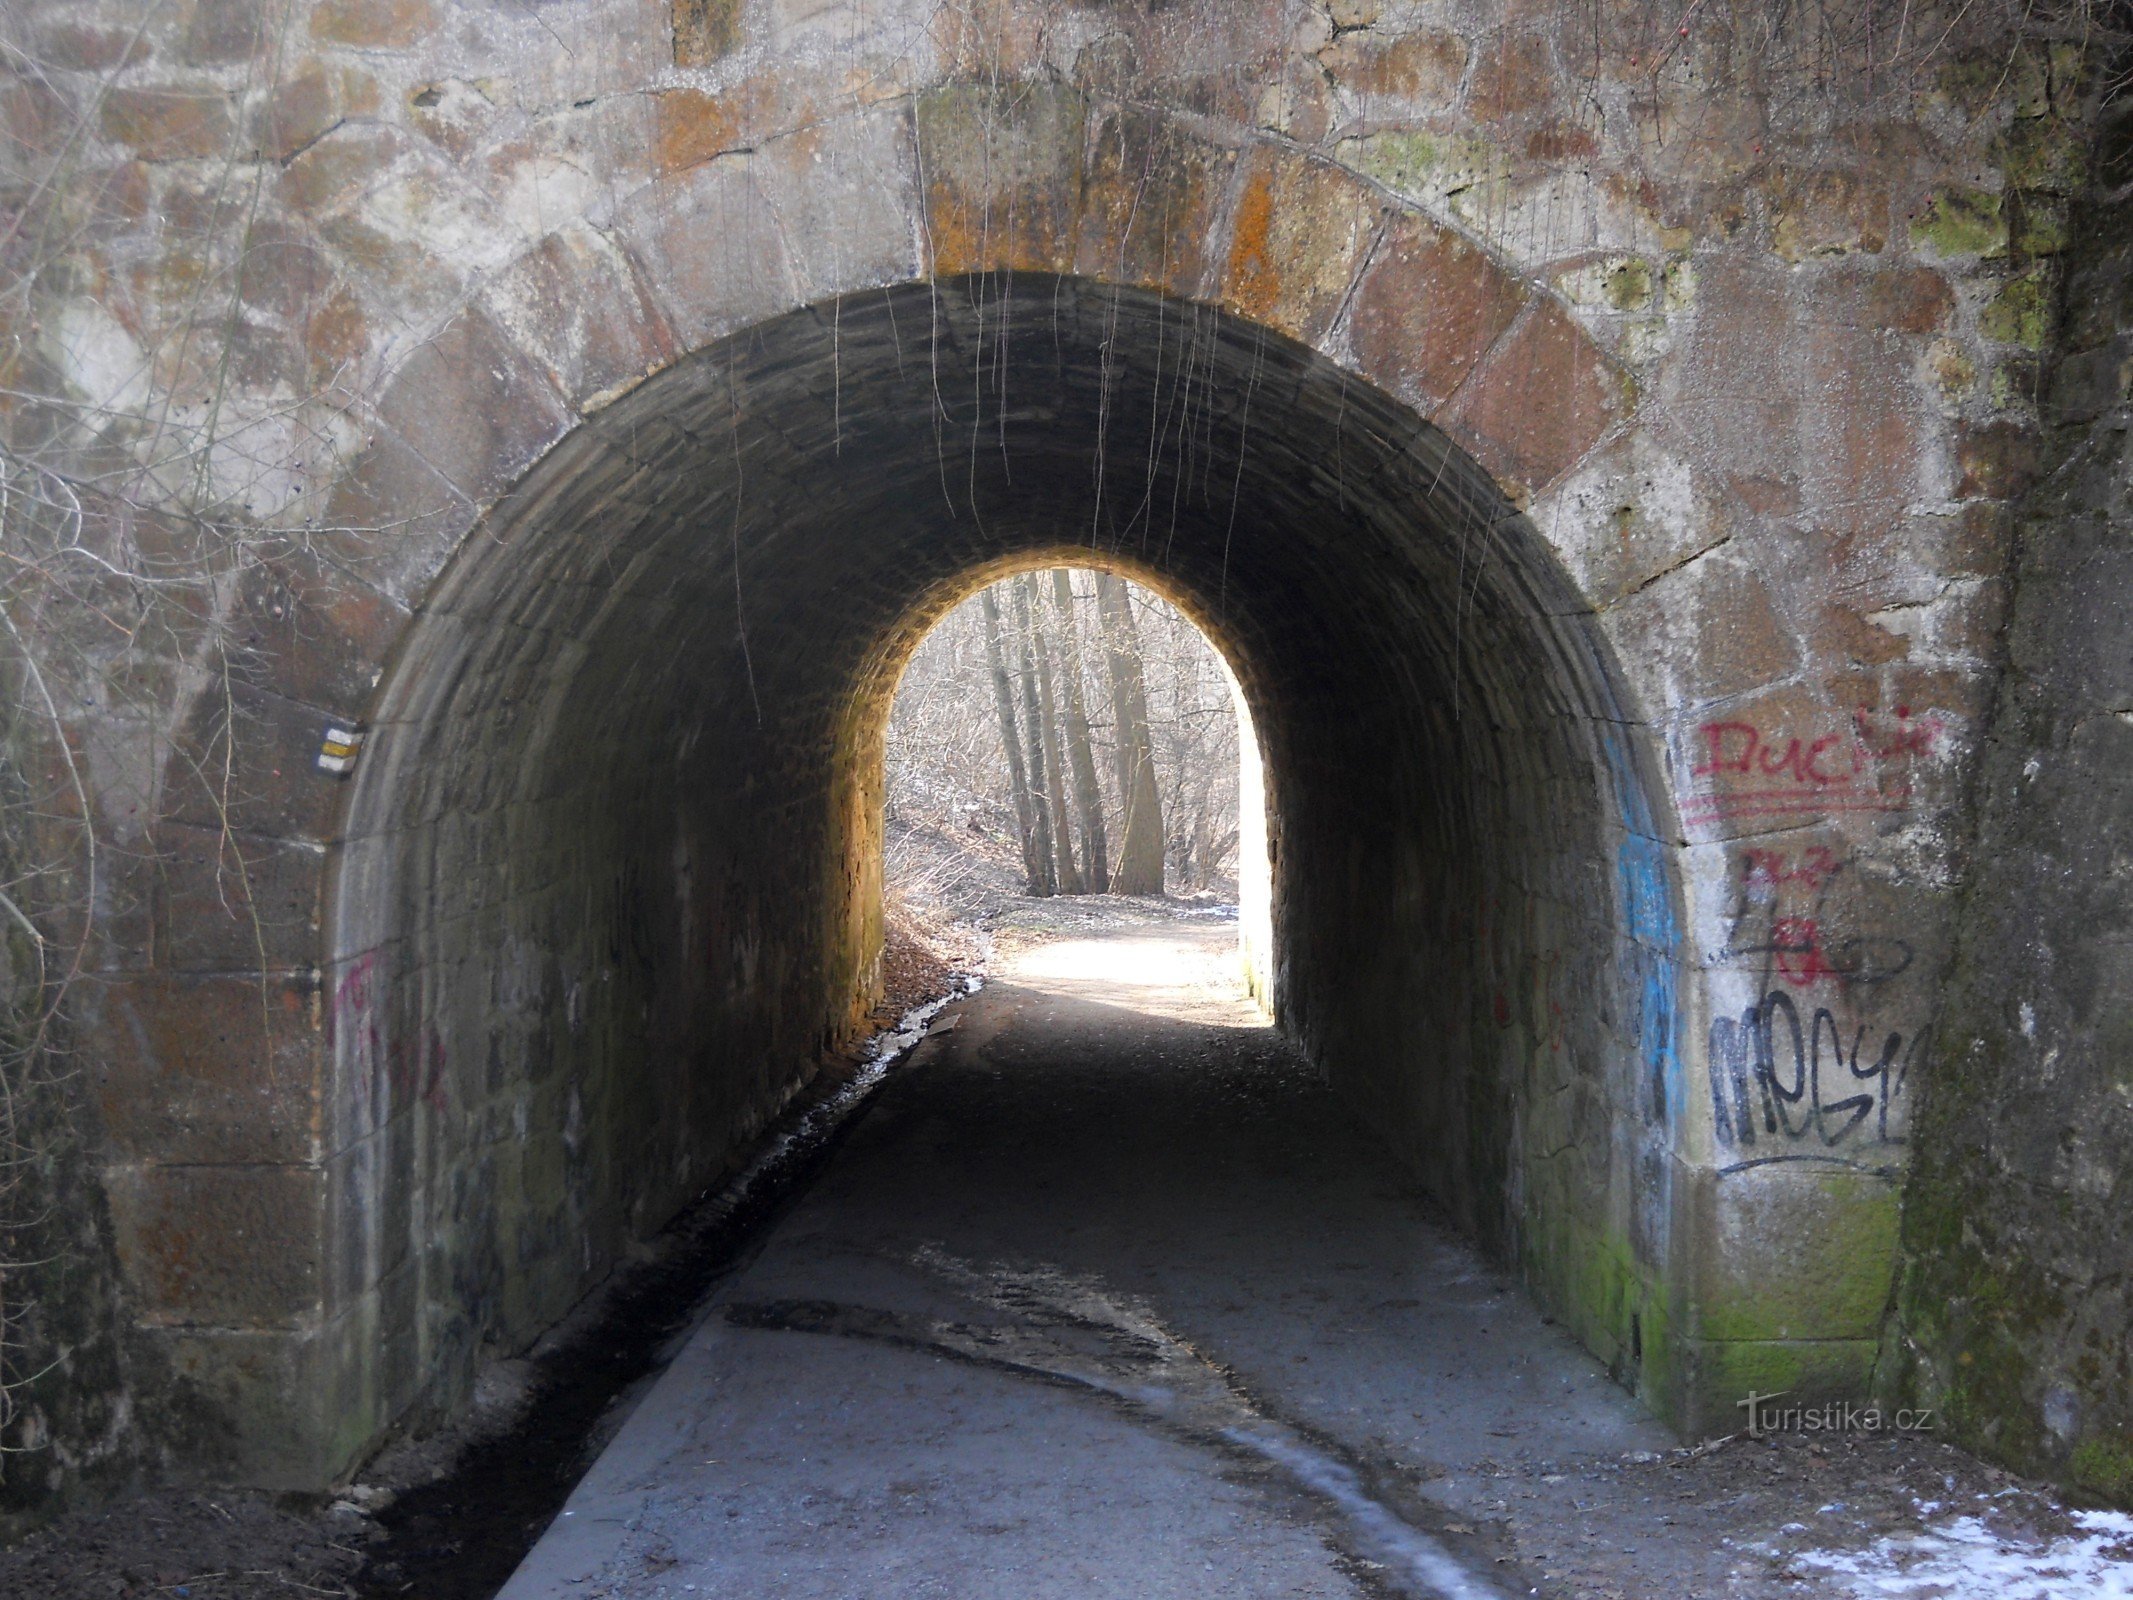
{"x": 338, "y": 291}
{"x": 2015, "y": 1313}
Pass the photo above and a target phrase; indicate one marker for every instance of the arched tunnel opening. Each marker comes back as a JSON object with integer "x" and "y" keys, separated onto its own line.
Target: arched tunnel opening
{"x": 609, "y": 886}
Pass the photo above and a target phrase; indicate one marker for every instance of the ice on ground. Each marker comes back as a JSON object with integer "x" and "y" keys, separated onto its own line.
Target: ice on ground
{"x": 1965, "y": 1558}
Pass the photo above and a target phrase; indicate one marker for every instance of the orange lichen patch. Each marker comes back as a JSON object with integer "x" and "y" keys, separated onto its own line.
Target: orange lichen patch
{"x": 1301, "y": 226}
{"x": 1002, "y": 172}
{"x": 690, "y": 127}
{"x": 1150, "y": 202}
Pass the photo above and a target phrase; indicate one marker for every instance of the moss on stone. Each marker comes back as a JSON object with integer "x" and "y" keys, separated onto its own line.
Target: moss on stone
{"x": 2021, "y": 312}
{"x": 2103, "y": 1465}
{"x": 1628, "y": 285}
{"x": 2047, "y": 153}
{"x": 1964, "y": 222}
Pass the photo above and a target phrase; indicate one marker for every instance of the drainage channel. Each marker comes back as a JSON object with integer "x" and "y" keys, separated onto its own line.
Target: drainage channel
{"x": 460, "y": 1536}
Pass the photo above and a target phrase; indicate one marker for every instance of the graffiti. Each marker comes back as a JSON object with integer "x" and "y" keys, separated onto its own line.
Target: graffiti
{"x": 1780, "y": 1083}
{"x": 1802, "y": 955}
{"x": 1798, "y": 945}
{"x": 1771, "y": 871}
{"x": 1865, "y": 765}
{"x": 412, "y": 1069}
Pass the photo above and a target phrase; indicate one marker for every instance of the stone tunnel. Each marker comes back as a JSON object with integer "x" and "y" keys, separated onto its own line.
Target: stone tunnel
{"x": 1610, "y": 534}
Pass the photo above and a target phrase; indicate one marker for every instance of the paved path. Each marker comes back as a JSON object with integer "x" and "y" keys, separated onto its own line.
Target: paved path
{"x": 1104, "y": 1295}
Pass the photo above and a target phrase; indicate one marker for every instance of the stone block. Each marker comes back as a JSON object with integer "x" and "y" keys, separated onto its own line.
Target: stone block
{"x": 1864, "y": 439}
{"x": 1410, "y": 73}
{"x": 1299, "y": 230}
{"x": 1793, "y": 1250}
{"x": 690, "y": 126}
{"x": 168, "y": 123}
{"x": 334, "y": 170}
{"x": 847, "y": 197}
{"x": 298, "y": 111}
{"x": 305, "y": 630}
{"x": 1634, "y": 511}
{"x": 1001, "y": 174}
{"x": 1874, "y": 743}
{"x": 1151, "y": 202}
{"x": 234, "y": 1247}
{"x": 711, "y": 245}
{"x": 1428, "y": 308}
{"x": 79, "y": 44}
{"x": 583, "y": 308}
{"x": 215, "y": 1069}
{"x": 1541, "y": 398}
{"x": 224, "y": 32}
{"x": 249, "y": 760}
{"x": 1717, "y": 1376}
{"x": 1877, "y": 298}
{"x": 705, "y": 31}
{"x": 373, "y": 24}
{"x": 1826, "y": 214}
{"x": 1997, "y": 460}
{"x": 269, "y": 1409}
{"x": 392, "y": 521}
{"x": 233, "y": 903}
{"x": 1513, "y": 78}
{"x": 474, "y": 407}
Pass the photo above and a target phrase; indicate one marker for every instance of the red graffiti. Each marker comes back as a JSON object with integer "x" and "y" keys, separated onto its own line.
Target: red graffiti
{"x": 1775, "y": 870}
{"x": 1796, "y": 950}
{"x": 1863, "y": 767}
{"x": 412, "y": 1071}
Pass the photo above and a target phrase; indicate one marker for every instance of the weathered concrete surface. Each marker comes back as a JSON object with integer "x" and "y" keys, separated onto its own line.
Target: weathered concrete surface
{"x": 2015, "y": 1311}
{"x": 1635, "y": 442}
{"x": 1108, "y": 1216}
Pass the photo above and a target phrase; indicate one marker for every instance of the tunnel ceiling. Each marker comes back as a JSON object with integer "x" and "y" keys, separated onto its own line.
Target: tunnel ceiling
{"x": 739, "y": 537}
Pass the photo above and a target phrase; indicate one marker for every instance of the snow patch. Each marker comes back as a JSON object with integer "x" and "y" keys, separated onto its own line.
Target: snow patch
{"x": 1966, "y": 1557}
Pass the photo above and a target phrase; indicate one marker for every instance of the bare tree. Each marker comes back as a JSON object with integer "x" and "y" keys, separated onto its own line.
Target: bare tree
{"x": 1031, "y": 606}
{"x": 1035, "y": 861}
{"x": 1140, "y": 854}
{"x": 1088, "y": 793}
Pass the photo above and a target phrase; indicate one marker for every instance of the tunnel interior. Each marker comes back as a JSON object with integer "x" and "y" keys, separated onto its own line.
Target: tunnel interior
{"x": 609, "y": 886}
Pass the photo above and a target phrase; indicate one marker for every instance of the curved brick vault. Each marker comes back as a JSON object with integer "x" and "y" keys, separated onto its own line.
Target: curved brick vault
{"x": 640, "y": 529}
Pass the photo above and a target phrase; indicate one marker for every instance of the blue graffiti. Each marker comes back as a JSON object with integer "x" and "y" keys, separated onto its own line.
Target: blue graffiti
{"x": 1643, "y": 866}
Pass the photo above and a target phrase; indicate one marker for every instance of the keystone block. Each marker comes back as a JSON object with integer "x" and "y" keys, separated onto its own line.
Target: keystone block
{"x": 1001, "y": 171}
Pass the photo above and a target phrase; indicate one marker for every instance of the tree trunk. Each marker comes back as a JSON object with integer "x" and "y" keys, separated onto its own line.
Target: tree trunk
{"x": 1036, "y": 864}
{"x": 1029, "y": 605}
{"x": 1033, "y": 751}
{"x": 1140, "y": 855}
{"x": 1046, "y": 766}
{"x": 1088, "y": 793}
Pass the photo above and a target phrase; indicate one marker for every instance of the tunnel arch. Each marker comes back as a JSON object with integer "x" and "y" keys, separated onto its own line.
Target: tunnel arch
{"x": 603, "y": 892}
